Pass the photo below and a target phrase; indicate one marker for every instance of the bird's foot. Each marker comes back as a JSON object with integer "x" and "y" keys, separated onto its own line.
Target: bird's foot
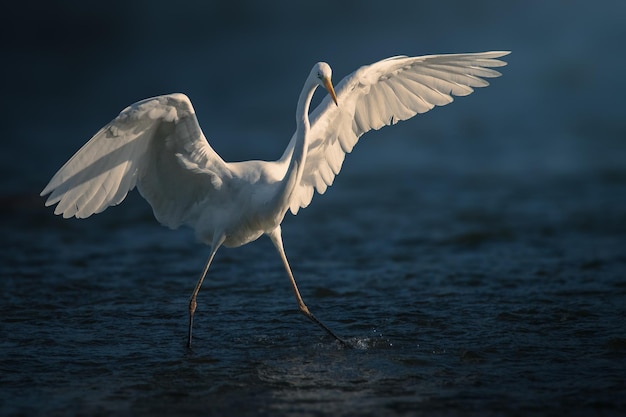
{"x": 342, "y": 342}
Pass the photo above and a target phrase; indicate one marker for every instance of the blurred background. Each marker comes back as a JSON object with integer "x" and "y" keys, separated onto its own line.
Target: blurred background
{"x": 70, "y": 67}
{"x": 477, "y": 252}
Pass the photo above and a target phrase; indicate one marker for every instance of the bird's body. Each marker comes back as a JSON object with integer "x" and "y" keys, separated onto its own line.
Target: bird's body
{"x": 157, "y": 145}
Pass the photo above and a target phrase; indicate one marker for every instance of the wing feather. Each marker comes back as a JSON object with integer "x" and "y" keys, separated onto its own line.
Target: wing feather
{"x": 155, "y": 144}
{"x": 379, "y": 95}
{"x": 399, "y": 110}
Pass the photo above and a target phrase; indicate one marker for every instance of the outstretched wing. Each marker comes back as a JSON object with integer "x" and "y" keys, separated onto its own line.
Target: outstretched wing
{"x": 379, "y": 95}
{"x": 155, "y": 144}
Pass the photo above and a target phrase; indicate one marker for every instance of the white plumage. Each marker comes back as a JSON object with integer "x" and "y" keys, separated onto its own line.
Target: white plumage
{"x": 157, "y": 145}
{"x": 379, "y": 95}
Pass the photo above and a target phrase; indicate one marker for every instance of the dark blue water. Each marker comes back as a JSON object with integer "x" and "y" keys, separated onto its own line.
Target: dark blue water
{"x": 475, "y": 256}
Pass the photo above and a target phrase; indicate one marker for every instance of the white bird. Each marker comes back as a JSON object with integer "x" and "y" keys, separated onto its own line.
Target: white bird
{"x": 157, "y": 145}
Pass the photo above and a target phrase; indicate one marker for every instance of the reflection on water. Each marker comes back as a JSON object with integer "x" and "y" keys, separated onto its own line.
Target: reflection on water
{"x": 475, "y": 256}
{"x": 464, "y": 307}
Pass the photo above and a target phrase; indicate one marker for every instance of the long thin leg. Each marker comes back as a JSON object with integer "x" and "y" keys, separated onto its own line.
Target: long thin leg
{"x": 192, "y": 300}
{"x": 275, "y": 236}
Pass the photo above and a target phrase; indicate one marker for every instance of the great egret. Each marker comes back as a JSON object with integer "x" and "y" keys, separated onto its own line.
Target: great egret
{"x": 157, "y": 145}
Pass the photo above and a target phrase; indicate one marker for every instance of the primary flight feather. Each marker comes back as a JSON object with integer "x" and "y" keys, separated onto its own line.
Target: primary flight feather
{"x": 158, "y": 146}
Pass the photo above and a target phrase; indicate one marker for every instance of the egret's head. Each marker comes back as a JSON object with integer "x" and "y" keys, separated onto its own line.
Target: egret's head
{"x": 324, "y": 74}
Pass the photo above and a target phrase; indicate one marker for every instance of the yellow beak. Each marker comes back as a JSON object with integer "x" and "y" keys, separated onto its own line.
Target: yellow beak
{"x": 331, "y": 90}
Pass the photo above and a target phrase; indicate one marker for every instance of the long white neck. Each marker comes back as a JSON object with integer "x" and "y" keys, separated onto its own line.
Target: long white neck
{"x": 302, "y": 126}
{"x": 301, "y": 143}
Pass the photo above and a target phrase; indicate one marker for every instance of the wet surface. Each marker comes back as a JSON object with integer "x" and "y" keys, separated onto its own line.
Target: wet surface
{"x": 476, "y": 257}
{"x": 468, "y": 308}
